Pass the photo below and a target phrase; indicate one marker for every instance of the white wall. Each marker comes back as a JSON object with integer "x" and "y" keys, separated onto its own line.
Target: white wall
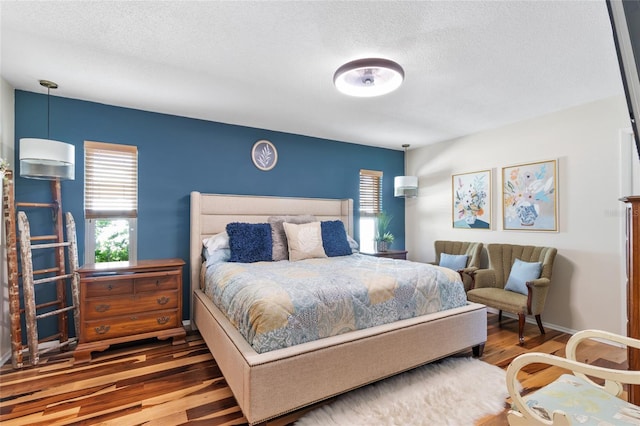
{"x": 588, "y": 283}
{"x": 6, "y": 152}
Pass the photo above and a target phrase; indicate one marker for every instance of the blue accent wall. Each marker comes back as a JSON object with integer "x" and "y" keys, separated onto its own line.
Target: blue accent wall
{"x": 177, "y": 155}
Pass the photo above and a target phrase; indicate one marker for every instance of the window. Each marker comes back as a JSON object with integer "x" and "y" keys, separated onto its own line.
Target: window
{"x": 110, "y": 201}
{"x": 370, "y": 206}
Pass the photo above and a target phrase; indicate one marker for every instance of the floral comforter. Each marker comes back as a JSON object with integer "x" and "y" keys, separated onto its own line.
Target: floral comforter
{"x": 280, "y": 304}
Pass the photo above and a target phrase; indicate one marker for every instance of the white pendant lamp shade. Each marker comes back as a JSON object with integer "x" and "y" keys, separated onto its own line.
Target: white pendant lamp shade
{"x": 46, "y": 159}
{"x": 368, "y": 77}
{"x": 405, "y": 186}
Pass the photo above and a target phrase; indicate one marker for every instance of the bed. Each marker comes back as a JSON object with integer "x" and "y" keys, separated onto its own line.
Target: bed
{"x": 273, "y": 383}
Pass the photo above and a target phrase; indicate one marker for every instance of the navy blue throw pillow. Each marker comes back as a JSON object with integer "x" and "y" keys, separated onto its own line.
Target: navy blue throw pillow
{"x": 249, "y": 242}
{"x": 334, "y": 238}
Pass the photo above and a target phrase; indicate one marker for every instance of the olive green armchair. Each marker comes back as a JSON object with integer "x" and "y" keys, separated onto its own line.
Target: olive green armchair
{"x": 489, "y": 287}
{"x": 470, "y": 249}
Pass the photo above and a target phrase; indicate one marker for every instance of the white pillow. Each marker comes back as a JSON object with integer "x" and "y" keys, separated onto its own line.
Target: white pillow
{"x": 216, "y": 242}
{"x": 304, "y": 241}
{"x": 222, "y": 255}
{"x": 353, "y": 244}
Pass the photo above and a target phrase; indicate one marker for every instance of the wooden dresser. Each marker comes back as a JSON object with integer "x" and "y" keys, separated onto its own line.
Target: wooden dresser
{"x": 125, "y": 301}
{"x": 633, "y": 286}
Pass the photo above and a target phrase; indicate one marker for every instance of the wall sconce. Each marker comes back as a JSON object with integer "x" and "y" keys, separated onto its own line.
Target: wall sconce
{"x": 405, "y": 186}
{"x": 45, "y": 158}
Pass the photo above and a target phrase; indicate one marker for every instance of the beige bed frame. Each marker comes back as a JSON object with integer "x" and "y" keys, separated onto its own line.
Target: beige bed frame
{"x": 274, "y": 383}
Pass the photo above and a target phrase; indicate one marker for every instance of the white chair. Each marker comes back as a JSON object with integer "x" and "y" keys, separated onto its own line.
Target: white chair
{"x": 574, "y": 399}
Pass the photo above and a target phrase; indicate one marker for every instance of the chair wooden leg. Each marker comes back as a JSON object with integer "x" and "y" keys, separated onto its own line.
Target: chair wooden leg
{"x": 521, "y": 328}
{"x": 539, "y": 321}
{"x": 500, "y": 315}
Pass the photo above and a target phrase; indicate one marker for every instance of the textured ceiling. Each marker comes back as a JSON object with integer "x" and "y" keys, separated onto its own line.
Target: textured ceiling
{"x": 469, "y": 66}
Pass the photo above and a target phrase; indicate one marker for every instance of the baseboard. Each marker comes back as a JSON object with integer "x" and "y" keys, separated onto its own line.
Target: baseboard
{"x": 531, "y": 320}
{"x": 555, "y": 327}
{"x": 5, "y": 357}
{"x": 187, "y": 325}
{"x": 42, "y": 347}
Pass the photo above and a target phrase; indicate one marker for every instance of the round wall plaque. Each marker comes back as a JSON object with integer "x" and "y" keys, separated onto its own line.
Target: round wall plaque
{"x": 264, "y": 155}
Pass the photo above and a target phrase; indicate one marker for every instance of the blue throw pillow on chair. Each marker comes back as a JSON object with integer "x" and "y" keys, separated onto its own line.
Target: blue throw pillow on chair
{"x": 521, "y": 272}
{"x": 453, "y": 261}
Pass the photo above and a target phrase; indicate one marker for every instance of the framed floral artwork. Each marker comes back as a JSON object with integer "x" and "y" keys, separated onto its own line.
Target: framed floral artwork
{"x": 264, "y": 155}
{"x": 529, "y": 197}
{"x": 472, "y": 200}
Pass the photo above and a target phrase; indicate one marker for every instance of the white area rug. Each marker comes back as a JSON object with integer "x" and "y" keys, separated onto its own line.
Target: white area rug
{"x": 453, "y": 392}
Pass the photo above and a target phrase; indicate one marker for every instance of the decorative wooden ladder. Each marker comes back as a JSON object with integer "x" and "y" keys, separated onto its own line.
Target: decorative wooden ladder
{"x": 55, "y": 307}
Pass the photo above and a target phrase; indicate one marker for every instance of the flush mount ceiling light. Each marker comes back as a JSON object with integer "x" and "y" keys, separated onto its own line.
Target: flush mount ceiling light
{"x": 368, "y": 77}
{"x": 45, "y": 158}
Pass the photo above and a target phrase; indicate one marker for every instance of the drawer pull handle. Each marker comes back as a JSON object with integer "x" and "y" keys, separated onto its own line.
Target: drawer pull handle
{"x": 102, "y": 329}
{"x": 134, "y": 318}
{"x": 102, "y": 308}
{"x": 109, "y": 287}
{"x": 157, "y": 283}
{"x": 163, "y": 300}
{"x": 163, "y": 320}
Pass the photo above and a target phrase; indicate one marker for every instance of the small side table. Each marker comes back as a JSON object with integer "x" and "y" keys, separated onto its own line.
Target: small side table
{"x": 391, "y": 254}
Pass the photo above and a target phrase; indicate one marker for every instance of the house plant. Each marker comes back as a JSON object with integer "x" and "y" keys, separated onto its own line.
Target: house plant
{"x": 384, "y": 238}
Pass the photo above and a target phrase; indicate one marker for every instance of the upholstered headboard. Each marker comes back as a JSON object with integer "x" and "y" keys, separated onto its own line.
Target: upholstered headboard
{"x": 210, "y": 214}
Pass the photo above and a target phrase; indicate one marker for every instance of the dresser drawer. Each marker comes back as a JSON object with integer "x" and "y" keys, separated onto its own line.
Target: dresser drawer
{"x": 165, "y": 282}
{"x": 129, "y": 325}
{"x": 106, "y": 307}
{"x": 108, "y": 288}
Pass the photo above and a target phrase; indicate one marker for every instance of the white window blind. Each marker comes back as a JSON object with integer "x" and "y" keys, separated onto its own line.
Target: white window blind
{"x": 370, "y": 192}
{"x": 110, "y": 180}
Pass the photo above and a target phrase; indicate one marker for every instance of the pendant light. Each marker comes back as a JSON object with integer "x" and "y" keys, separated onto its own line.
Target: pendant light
{"x": 45, "y": 158}
{"x": 405, "y": 186}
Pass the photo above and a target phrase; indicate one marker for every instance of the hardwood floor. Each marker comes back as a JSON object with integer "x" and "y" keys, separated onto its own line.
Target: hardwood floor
{"x": 155, "y": 383}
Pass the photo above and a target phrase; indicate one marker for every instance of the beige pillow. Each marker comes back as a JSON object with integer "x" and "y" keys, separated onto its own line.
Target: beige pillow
{"x": 279, "y": 250}
{"x": 305, "y": 240}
